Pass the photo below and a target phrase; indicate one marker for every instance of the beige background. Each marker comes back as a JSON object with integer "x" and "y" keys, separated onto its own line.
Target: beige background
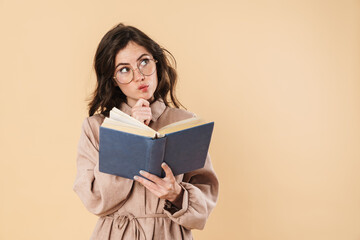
{"x": 281, "y": 80}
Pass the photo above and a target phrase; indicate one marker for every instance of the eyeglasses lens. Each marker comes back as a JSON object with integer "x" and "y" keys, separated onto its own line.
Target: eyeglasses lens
{"x": 126, "y": 74}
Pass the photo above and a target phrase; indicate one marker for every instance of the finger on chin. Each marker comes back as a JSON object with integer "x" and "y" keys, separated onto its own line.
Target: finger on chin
{"x": 142, "y": 102}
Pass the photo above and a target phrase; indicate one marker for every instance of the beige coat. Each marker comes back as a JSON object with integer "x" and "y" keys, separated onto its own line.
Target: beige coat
{"x": 126, "y": 209}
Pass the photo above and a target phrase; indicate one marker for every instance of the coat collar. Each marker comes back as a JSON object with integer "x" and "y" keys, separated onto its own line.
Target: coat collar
{"x": 157, "y": 108}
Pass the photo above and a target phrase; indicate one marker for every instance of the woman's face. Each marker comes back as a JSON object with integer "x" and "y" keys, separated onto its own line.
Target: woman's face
{"x": 141, "y": 86}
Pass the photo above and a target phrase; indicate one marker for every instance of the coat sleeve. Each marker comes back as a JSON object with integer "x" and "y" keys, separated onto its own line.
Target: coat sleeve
{"x": 101, "y": 193}
{"x": 201, "y": 188}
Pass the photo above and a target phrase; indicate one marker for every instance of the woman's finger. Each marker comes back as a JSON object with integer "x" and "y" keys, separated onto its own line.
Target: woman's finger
{"x": 142, "y": 112}
{"x": 148, "y": 184}
{"x": 159, "y": 191}
{"x": 142, "y": 117}
{"x": 167, "y": 169}
{"x": 141, "y": 109}
{"x": 142, "y": 102}
{"x": 152, "y": 177}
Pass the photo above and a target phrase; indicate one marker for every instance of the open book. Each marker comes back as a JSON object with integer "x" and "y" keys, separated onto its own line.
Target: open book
{"x": 127, "y": 145}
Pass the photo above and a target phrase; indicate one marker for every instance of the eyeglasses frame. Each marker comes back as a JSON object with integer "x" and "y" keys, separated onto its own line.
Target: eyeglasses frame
{"x": 133, "y": 71}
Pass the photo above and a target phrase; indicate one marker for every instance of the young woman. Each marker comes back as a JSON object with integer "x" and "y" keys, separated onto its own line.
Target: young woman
{"x": 135, "y": 75}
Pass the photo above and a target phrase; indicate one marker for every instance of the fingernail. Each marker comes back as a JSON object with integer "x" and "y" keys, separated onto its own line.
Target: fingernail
{"x": 136, "y": 177}
{"x": 141, "y": 172}
{"x": 163, "y": 164}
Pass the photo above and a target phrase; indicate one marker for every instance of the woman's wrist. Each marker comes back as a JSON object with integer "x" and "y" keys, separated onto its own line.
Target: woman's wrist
{"x": 177, "y": 201}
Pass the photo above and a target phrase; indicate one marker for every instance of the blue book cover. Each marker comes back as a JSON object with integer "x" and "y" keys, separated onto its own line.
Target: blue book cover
{"x": 125, "y": 154}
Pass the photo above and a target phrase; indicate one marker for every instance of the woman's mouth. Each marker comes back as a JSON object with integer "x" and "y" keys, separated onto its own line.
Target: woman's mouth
{"x": 143, "y": 88}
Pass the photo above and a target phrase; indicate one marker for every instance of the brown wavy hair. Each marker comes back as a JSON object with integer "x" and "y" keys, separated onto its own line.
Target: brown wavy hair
{"x": 107, "y": 94}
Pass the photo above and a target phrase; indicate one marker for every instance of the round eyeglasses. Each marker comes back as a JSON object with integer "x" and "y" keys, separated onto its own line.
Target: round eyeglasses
{"x": 125, "y": 74}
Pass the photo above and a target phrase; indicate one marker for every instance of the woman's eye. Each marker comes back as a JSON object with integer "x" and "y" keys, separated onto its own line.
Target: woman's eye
{"x": 124, "y": 70}
{"x": 144, "y": 62}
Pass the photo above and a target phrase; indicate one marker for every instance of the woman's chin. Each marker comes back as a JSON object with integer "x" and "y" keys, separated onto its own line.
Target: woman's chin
{"x": 133, "y": 100}
{"x": 147, "y": 96}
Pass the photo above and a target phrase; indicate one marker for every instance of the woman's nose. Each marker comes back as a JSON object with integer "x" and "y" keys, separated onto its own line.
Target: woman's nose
{"x": 138, "y": 75}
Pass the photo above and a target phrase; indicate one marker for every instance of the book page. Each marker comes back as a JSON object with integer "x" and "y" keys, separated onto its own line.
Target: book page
{"x": 120, "y": 126}
{"x": 119, "y": 115}
{"x": 181, "y": 125}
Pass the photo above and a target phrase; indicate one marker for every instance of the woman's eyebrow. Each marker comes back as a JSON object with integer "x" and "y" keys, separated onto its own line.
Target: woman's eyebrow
{"x": 144, "y": 54}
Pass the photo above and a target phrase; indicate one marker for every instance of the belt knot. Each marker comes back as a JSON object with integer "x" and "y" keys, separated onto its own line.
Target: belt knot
{"x": 122, "y": 220}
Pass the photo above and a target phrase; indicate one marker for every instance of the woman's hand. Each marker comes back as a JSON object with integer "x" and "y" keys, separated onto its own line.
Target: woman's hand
{"x": 165, "y": 188}
{"x": 142, "y": 111}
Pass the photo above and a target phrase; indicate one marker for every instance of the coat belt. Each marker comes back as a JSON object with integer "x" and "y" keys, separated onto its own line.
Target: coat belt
{"x": 122, "y": 221}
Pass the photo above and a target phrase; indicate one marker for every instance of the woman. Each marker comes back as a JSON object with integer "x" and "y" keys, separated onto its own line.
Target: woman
{"x": 135, "y": 75}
